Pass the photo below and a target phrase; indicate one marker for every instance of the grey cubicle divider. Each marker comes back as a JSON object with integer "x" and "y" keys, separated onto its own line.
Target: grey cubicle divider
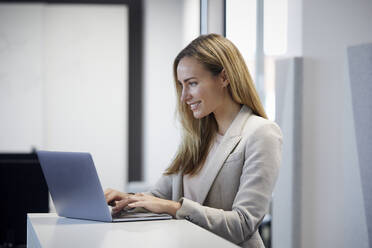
{"x": 287, "y": 195}
{"x": 360, "y": 73}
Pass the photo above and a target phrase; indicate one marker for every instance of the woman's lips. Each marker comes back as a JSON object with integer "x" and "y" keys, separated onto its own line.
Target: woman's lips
{"x": 194, "y": 105}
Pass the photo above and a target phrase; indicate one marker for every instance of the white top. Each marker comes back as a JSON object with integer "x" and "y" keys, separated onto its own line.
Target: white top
{"x": 191, "y": 184}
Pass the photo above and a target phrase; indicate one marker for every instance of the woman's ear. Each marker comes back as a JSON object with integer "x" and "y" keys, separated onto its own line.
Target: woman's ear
{"x": 223, "y": 76}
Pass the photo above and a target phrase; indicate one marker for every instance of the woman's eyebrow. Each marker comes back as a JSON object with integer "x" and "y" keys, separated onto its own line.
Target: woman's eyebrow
{"x": 187, "y": 79}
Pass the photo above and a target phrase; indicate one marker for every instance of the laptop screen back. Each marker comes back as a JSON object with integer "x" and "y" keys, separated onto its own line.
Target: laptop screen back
{"x": 74, "y": 185}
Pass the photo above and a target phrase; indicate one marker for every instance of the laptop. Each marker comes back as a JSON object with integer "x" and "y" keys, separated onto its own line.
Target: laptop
{"x": 76, "y": 191}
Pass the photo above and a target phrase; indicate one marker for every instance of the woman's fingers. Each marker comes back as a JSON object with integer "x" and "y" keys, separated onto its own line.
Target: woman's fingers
{"x": 136, "y": 200}
{"x": 137, "y": 204}
{"x": 107, "y": 191}
{"x": 109, "y": 198}
{"x": 123, "y": 203}
{"x": 112, "y": 196}
{"x": 151, "y": 203}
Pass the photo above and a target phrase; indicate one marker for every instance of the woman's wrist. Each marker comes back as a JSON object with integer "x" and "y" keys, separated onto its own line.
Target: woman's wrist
{"x": 173, "y": 206}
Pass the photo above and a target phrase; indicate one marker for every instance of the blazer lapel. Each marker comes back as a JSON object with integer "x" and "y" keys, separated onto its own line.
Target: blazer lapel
{"x": 228, "y": 143}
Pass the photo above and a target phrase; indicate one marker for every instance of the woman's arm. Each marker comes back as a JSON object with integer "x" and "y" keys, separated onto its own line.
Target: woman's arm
{"x": 162, "y": 188}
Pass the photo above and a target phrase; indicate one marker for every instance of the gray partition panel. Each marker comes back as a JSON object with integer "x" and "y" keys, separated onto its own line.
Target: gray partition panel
{"x": 287, "y": 196}
{"x": 360, "y": 71}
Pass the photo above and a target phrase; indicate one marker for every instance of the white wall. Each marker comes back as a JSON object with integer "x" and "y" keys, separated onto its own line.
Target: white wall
{"x": 328, "y": 27}
{"x": 21, "y": 78}
{"x": 86, "y": 85}
{"x": 169, "y": 26}
{"x": 63, "y": 82}
{"x": 163, "y": 40}
{"x": 294, "y": 29}
{"x": 286, "y": 207}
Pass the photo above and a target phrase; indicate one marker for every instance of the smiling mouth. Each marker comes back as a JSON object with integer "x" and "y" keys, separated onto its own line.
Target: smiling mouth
{"x": 194, "y": 105}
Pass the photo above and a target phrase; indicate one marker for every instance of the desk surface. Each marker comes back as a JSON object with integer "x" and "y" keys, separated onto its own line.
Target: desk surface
{"x": 50, "y": 230}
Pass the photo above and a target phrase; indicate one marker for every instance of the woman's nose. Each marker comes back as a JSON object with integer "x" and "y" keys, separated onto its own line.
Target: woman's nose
{"x": 185, "y": 95}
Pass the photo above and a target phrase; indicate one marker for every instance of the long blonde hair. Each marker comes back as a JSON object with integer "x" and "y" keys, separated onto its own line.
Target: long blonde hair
{"x": 215, "y": 53}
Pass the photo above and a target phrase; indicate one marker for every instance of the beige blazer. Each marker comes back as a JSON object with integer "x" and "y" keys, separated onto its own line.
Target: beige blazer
{"x": 237, "y": 191}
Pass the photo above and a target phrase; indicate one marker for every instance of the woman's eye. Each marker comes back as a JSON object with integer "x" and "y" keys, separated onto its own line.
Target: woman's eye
{"x": 193, "y": 83}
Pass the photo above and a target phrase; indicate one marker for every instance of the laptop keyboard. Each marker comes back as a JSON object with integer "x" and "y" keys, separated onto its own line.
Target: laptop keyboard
{"x": 134, "y": 213}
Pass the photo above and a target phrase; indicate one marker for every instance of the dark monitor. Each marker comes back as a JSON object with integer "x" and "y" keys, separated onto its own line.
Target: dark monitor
{"x": 22, "y": 190}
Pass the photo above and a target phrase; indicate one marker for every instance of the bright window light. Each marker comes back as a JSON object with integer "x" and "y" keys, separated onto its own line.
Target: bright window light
{"x": 275, "y": 27}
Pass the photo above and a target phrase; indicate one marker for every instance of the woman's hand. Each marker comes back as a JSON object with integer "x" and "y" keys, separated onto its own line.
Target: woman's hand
{"x": 113, "y": 196}
{"x": 149, "y": 202}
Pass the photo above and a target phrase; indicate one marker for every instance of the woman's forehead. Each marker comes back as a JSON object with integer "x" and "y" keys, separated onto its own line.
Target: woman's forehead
{"x": 189, "y": 67}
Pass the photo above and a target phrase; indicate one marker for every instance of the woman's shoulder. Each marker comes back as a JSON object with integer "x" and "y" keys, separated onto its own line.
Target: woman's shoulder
{"x": 258, "y": 126}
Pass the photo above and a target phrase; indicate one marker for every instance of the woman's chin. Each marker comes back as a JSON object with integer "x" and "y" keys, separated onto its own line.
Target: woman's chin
{"x": 198, "y": 114}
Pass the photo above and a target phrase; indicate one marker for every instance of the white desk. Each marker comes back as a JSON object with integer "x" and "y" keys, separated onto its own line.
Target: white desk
{"x": 50, "y": 230}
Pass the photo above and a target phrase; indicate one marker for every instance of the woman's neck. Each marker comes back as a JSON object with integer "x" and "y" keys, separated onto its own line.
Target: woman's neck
{"x": 226, "y": 114}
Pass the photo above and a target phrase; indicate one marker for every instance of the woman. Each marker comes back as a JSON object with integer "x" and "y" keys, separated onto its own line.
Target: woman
{"x": 224, "y": 171}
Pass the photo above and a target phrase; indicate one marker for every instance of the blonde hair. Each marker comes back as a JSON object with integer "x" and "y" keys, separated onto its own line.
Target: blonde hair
{"x": 215, "y": 53}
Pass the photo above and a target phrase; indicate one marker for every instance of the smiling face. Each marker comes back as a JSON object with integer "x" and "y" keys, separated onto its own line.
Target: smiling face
{"x": 203, "y": 92}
